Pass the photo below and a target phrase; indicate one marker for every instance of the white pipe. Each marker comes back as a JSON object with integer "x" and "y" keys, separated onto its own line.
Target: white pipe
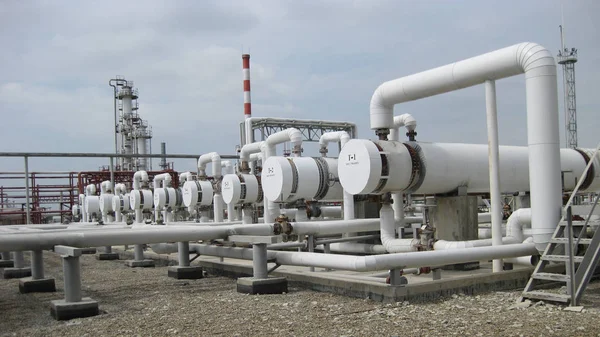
{"x": 185, "y": 176}
{"x": 406, "y": 120}
{"x": 90, "y": 189}
{"x": 218, "y": 207}
{"x": 514, "y": 233}
{"x": 84, "y": 217}
{"x": 542, "y": 115}
{"x": 164, "y": 178}
{"x": 335, "y": 226}
{"x": 388, "y": 233}
{"x": 355, "y": 248}
{"x": 138, "y": 178}
{"x": 375, "y": 262}
{"x": 249, "y": 149}
{"x": 206, "y": 158}
{"x": 494, "y": 166}
{"x": 105, "y": 187}
{"x": 341, "y": 137}
{"x": 120, "y": 188}
{"x": 516, "y": 221}
{"x": 255, "y": 156}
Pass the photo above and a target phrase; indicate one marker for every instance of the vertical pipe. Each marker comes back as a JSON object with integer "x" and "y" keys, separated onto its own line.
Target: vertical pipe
{"x": 246, "y": 215}
{"x": 398, "y": 207}
{"x": 311, "y": 247}
{"x": 259, "y": 260}
{"x": 230, "y": 212}
{"x": 218, "y": 207}
{"x": 6, "y": 256}
{"x": 115, "y": 126}
{"x": 18, "y": 259}
{"x": 494, "y": 164}
{"x": 72, "y": 275}
{"x": 138, "y": 253}
{"x": 27, "y": 201}
{"x": 37, "y": 265}
{"x": 163, "y": 151}
{"x": 183, "y": 252}
{"x": 108, "y": 249}
{"x": 571, "y": 251}
{"x": 112, "y": 174}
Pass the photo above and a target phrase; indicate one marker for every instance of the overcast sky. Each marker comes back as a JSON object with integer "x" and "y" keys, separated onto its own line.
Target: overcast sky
{"x": 309, "y": 59}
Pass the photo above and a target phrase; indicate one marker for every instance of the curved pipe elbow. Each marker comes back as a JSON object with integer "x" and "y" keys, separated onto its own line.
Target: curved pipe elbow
{"x": 90, "y": 189}
{"x": 105, "y": 187}
{"x": 406, "y": 120}
{"x": 336, "y": 136}
{"x": 185, "y": 176}
{"x": 206, "y": 158}
{"x": 251, "y": 148}
{"x": 164, "y": 177}
{"x": 138, "y": 178}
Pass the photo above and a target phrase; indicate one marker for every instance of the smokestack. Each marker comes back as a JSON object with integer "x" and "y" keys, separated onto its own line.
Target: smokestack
{"x": 246, "y": 72}
{"x": 163, "y": 151}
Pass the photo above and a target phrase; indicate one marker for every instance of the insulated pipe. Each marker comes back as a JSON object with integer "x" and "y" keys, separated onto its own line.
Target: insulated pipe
{"x": 249, "y": 149}
{"x": 542, "y": 115}
{"x": 90, "y": 189}
{"x": 164, "y": 178}
{"x": 375, "y": 262}
{"x": 515, "y": 222}
{"x": 334, "y": 226}
{"x": 406, "y": 120}
{"x": 138, "y": 178}
{"x": 206, "y": 158}
{"x": 341, "y": 137}
{"x": 114, "y": 237}
{"x": 388, "y": 233}
{"x": 494, "y": 165}
{"x": 185, "y": 176}
{"x": 105, "y": 187}
{"x": 84, "y": 217}
{"x": 218, "y": 207}
{"x": 120, "y": 189}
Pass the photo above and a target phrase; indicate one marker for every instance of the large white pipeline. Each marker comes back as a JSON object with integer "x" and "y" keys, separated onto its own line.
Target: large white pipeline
{"x": 375, "y": 262}
{"x": 542, "y": 115}
{"x": 105, "y": 200}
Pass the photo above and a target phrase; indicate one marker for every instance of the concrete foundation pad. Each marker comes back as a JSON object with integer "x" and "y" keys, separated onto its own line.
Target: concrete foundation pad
{"x": 62, "y": 310}
{"x": 107, "y": 256}
{"x": 88, "y": 251}
{"x": 139, "y": 264}
{"x": 7, "y": 263}
{"x": 185, "y": 273}
{"x": 29, "y": 285}
{"x": 9, "y": 273}
{"x": 253, "y": 286}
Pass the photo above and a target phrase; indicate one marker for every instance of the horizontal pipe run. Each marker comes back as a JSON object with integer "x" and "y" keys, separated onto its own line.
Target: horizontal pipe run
{"x": 105, "y": 155}
{"x": 346, "y": 239}
{"x": 375, "y": 262}
{"x": 112, "y": 237}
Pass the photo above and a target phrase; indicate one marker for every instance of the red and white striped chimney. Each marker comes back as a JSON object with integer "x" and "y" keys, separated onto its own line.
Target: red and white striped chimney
{"x": 246, "y": 72}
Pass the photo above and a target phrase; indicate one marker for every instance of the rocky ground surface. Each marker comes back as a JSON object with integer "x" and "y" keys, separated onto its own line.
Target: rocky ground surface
{"x": 145, "y": 302}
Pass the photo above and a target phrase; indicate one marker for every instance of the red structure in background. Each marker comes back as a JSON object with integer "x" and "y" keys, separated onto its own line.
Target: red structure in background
{"x": 60, "y": 189}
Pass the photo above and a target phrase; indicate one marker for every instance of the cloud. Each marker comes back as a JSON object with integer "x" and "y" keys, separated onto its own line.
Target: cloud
{"x": 315, "y": 60}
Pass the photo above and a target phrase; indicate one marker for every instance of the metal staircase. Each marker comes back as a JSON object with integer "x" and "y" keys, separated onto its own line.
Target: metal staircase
{"x": 562, "y": 249}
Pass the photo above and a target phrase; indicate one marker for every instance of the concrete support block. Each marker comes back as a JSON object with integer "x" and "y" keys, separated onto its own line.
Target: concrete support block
{"x": 107, "y": 256}
{"x": 10, "y": 273}
{"x": 29, "y": 285}
{"x": 253, "y": 286}
{"x": 455, "y": 219}
{"x": 7, "y": 263}
{"x": 185, "y": 273}
{"x": 139, "y": 264}
{"x": 63, "y": 310}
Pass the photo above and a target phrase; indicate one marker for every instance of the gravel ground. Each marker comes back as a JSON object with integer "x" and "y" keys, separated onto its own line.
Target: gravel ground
{"x": 145, "y": 302}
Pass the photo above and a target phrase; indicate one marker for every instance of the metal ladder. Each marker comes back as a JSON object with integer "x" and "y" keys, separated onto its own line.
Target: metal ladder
{"x": 578, "y": 269}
